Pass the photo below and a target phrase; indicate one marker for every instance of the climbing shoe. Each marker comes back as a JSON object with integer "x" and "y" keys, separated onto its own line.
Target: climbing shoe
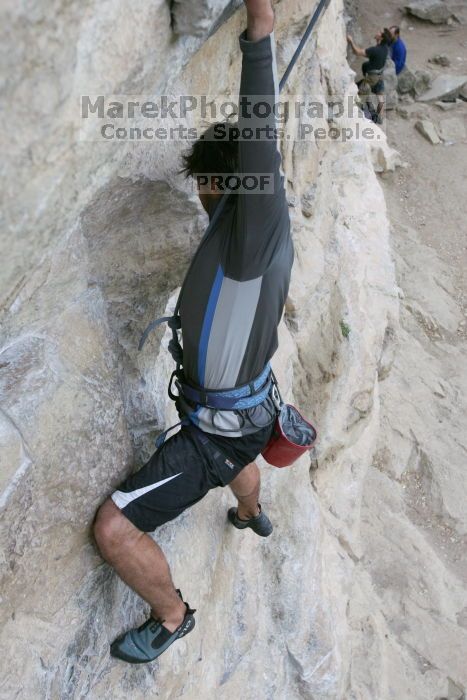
{"x": 259, "y": 524}
{"x": 147, "y": 642}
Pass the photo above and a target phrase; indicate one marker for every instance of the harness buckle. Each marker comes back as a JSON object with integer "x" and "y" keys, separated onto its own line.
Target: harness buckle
{"x": 175, "y": 374}
{"x": 275, "y": 393}
{"x": 275, "y": 397}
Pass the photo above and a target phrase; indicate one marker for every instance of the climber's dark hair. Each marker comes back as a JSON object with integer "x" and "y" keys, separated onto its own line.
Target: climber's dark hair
{"x": 216, "y": 151}
{"x": 396, "y": 29}
{"x": 386, "y": 36}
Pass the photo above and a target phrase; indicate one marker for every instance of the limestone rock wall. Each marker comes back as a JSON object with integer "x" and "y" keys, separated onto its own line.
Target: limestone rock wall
{"x": 95, "y": 241}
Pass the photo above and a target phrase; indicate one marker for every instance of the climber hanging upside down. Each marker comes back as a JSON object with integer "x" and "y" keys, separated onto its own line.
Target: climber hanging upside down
{"x": 230, "y": 306}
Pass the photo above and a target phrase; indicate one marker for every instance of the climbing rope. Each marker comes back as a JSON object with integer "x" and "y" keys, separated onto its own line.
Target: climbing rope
{"x": 226, "y": 14}
{"x": 233, "y": 6}
{"x": 316, "y": 15}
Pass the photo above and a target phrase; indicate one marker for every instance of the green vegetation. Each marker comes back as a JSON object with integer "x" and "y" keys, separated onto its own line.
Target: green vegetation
{"x": 345, "y": 329}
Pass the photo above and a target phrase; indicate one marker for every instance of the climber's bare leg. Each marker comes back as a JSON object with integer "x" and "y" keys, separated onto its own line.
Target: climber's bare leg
{"x": 380, "y": 107}
{"x": 139, "y": 562}
{"x": 246, "y": 487}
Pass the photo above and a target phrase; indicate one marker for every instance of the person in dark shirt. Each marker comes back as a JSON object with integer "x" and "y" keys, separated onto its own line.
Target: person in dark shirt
{"x": 231, "y": 304}
{"x": 373, "y": 68}
{"x": 397, "y": 49}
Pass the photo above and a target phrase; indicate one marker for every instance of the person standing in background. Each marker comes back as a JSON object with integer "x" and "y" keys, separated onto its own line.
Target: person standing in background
{"x": 397, "y": 49}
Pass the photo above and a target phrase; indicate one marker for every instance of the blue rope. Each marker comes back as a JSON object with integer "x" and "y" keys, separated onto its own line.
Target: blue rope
{"x": 235, "y": 4}
{"x": 316, "y": 15}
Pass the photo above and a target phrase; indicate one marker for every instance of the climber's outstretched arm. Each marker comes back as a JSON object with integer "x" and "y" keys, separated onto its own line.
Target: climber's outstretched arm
{"x": 356, "y": 49}
{"x": 259, "y": 92}
{"x": 260, "y": 19}
{"x": 261, "y": 213}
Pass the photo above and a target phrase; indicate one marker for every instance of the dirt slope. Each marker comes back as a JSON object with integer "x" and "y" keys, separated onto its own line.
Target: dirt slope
{"x": 414, "y": 644}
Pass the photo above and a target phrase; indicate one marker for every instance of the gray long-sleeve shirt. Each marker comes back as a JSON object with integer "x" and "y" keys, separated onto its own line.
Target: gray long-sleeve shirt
{"x": 233, "y": 296}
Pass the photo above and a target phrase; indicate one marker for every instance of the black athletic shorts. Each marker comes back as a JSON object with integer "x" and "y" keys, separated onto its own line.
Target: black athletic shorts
{"x": 182, "y": 471}
{"x": 378, "y": 89}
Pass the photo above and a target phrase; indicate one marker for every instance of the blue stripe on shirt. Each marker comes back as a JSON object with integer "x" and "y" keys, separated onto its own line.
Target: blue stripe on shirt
{"x": 207, "y": 324}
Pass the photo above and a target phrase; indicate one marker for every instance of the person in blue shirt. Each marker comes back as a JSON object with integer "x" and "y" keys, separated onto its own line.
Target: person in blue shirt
{"x": 398, "y": 49}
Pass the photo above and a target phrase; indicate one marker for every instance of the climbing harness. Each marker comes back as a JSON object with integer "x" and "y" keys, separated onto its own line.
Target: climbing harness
{"x": 369, "y": 81}
{"x": 292, "y": 433}
{"x": 237, "y": 399}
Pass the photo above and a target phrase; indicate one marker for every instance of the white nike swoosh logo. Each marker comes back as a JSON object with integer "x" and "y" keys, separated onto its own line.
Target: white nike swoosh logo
{"x": 122, "y": 499}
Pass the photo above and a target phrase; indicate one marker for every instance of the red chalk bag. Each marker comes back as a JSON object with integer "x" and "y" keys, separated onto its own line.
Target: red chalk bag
{"x": 293, "y": 436}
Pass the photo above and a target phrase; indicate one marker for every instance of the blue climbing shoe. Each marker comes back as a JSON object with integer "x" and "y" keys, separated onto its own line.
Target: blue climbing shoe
{"x": 259, "y": 524}
{"x": 147, "y": 642}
